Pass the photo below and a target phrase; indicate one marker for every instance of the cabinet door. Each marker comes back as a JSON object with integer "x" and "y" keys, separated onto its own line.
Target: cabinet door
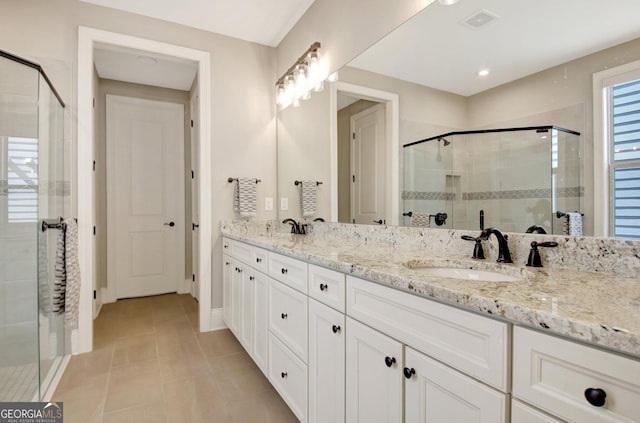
{"x": 288, "y": 317}
{"x": 236, "y": 297}
{"x": 247, "y": 280}
{"x": 260, "y": 319}
{"x": 326, "y": 364}
{"x": 373, "y": 376}
{"x": 227, "y": 276}
{"x": 436, "y": 393}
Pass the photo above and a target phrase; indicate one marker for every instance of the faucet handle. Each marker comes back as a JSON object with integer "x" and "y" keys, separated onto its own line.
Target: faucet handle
{"x": 478, "y": 251}
{"x": 534, "y": 259}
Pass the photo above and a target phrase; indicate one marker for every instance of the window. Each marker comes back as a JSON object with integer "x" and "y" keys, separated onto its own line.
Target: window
{"x": 625, "y": 159}
{"x": 617, "y": 152}
{"x": 21, "y": 172}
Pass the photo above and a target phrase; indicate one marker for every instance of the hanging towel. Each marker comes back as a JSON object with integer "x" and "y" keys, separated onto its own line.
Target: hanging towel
{"x": 421, "y": 219}
{"x": 44, "y": 288}
{"x": 572, "y": 224}
{"x": 308, "y": 197}
{"x": 244, "y": 197}
{"x": 72, "y": 270}
{"x": 59, "y": 277}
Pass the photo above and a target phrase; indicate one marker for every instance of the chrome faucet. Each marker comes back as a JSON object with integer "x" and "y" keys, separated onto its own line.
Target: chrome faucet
{"x": 504, "y": 256}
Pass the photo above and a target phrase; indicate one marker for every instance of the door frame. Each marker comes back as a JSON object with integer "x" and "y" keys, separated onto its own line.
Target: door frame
{"x": 88, "y": 39}
{"x": 352, "y": 164}
{"x": 181, "y": 284}
{"x": 392, "y": 115}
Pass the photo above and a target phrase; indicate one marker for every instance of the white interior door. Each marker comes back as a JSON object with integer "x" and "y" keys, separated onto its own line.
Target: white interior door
{"x": 195, "y": 203}
{"x": 145, "y": 196}
{"x": 368, "y": 166}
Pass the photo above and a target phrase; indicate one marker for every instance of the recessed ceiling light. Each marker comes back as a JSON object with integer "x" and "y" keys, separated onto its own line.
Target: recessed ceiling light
{"x": 483, "y": 72}
{"x": 448, "y": 2}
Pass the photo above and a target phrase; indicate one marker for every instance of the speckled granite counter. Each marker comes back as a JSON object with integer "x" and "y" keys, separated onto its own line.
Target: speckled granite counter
{"x": 602, "y": 309}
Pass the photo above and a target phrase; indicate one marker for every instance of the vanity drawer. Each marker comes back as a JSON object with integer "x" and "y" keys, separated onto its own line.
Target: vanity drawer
{"x": 259, "y": 259}
{"x": 473, "y": 344}
{"x": 241, "y": 251}
{"x": 288, "y": 317}
{"x": 521, "y": 413}
{"x": 289, "y": 376}
{"x": 553, "y": 374}
{"x": 289, "y": 271}
{"x": 327, "y": 286}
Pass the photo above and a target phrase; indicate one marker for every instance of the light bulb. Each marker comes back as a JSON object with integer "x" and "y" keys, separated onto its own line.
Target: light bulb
{"x": 301, "y": 80}
{"x": 314, "y": 65}
{"x": 319, "y": 87}
{"x": 281, "y": 97}
{"x": 290, "y": 88}
{"x": 296, "y": 102}
{"x": 306, "y": 95}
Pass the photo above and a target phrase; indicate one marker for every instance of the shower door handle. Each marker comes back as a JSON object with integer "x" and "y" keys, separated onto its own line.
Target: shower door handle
{"x": 171, "y": 224}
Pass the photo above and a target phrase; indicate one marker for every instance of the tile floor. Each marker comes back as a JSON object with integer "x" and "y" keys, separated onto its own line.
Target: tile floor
{"x": 150, "y": 364}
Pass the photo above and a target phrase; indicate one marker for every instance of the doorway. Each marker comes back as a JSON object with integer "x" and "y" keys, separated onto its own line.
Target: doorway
{"x": 385, "y": 173}
{"x": 88, "y": 40}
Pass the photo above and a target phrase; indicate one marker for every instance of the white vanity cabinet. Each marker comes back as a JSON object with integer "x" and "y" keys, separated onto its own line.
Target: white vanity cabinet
{"x": 326, "y": 363}
{"x": 574, "y": 382}
{"x": 429, "y": 334}
{"x": 373, "y": 376}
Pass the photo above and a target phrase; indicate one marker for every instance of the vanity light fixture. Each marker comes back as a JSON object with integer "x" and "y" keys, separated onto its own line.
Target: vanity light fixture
{"x": 307, "y": 74}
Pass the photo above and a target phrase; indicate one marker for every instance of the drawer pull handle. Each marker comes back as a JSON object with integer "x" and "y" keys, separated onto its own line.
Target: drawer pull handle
{"x": 284, "y": 271}
{"x": 251, "y": 278}
{"x": 283, "y": 374}
{"x": 595, "y": 396}
{"x": 284, "y": 315}
{"x": 335, "y": 329}
{"x": 389, "y": 361}
{"x": 323, "y": 287}
{"x": 408, "y": 372}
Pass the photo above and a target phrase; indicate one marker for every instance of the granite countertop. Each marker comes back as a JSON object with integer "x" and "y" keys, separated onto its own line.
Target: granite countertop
{"x": 600, "y": 309}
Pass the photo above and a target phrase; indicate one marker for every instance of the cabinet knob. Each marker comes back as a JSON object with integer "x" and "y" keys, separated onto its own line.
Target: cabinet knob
{"x": 225, "y": 246}
{"x": 251, "y": 278}
{"x": 323, "y": 287}
{"x": 595, "y": 396}
{"x": 335, "y": 329}
{"x": 227, "y": 263}
{"x": 284, "y": 271}
{"x": 389, "y": 361}
{"x": 258, "y": 260}
{"x": 408, "y": 372}
{"x": 283, "y": 374}
{"x": 284, "y": 315}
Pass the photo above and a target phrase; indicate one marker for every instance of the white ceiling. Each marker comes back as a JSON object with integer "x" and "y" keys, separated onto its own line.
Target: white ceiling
{"x": 260, "y": 21}
{"x": 434, "y": 49}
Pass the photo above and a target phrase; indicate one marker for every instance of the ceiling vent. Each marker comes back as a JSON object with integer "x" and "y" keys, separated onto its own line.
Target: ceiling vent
{"x": 479, "y": 19}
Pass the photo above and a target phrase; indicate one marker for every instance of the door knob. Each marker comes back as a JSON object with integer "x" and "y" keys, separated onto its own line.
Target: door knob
{"x": 172, "y": 224}
{"x": 379, "y": 222}
{"x": 194, "y": 226}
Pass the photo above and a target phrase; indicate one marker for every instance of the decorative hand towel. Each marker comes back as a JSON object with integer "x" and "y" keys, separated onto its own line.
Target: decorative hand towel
{"x": 60, "y": 276}
{"x": 572, "y": 224}
{"x": 44, "y": 288}
{"x": 72, "y": 270}
{"x": 421, "y": 219}
{"x": 244, "y": 200}
{"x": 309, "y": 197}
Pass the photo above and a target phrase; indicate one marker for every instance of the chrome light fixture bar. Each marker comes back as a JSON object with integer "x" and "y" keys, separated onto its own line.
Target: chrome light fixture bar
{"x": 305, "y": 75}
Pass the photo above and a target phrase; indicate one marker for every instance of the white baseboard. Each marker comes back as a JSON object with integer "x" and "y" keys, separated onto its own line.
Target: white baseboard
{"x": 217, "y": 321}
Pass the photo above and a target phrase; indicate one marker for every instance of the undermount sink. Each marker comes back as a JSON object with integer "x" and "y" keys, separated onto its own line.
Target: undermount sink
{"x": 465, "y": 273}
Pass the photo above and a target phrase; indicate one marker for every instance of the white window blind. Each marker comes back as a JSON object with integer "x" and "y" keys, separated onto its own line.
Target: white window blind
{"x": 625, "y": 159}
{"x": 22, "y": 180}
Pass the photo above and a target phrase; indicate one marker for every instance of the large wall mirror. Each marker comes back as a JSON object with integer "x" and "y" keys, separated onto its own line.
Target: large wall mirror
{"x": 413, "y": 128}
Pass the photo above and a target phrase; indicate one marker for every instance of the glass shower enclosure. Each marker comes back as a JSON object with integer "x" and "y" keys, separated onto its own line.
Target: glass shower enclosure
{"x": 510, "y": 178}
{"x": 32, "y": 337}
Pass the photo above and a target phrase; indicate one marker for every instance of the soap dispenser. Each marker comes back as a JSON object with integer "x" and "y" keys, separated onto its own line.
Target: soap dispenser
{"x": 534, "y": 255}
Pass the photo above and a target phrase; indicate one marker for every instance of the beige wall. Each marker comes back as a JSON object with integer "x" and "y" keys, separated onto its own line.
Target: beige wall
{"x": 242, "y": 91}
